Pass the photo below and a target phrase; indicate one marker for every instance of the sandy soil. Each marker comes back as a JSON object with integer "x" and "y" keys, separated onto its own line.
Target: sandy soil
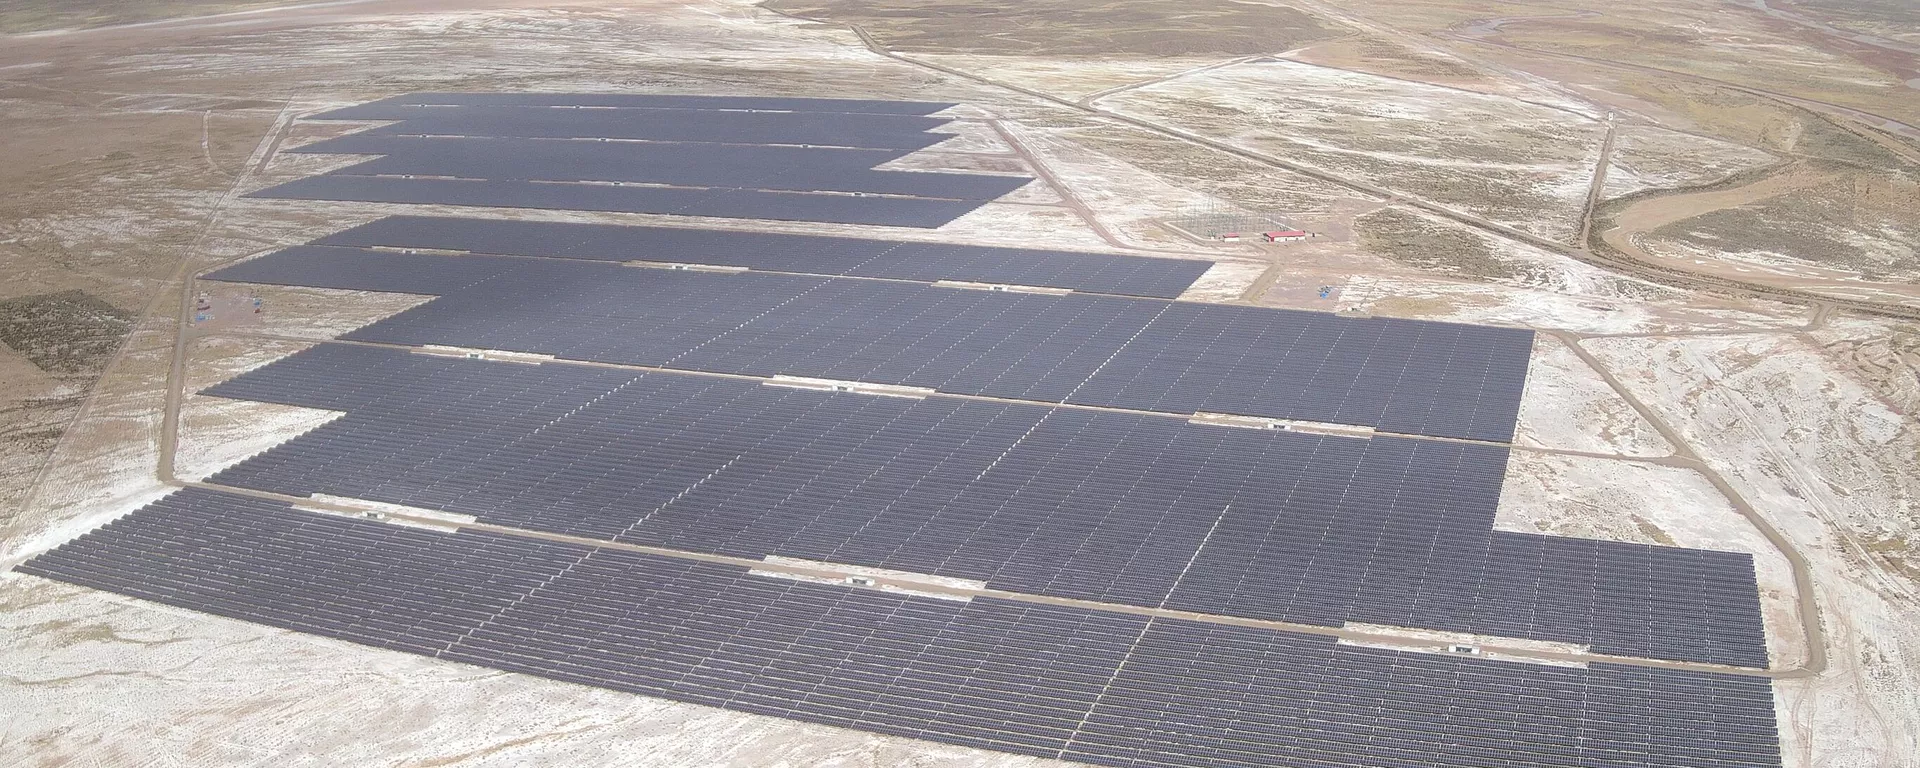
{"x": 216, "y": 433}
{"x": 1613, "y": 500}
{"x": 1531, "y": 164}
{"x": 1569, "y": 406}
{"x": 1776, "y": 230}
{"x": 58, "y": 16}
{"x": 1698, "y": 38}
{"x": 1078, "y": 27}
{"x": 1883, "y": 355}
{"x": 1822, "y": 458}
{"x": 1074, "y": 77}
{"x": 1649, "y": 157}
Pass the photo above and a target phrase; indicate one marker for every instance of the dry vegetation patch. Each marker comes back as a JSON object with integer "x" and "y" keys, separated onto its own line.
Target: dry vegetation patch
{"x": 1074, "y": 27}
{"x": 1728, "y": 45}
{"x": 1381, "y": 56}
{"x": 1861, "y": 222}
{"x": 1760, "y": 122}
{"x": 1244, "y": 183}
{"x": 1409, "y": 238}
{"x": 1651, "y": 157}
{"x": 1519, "y": 163}
{"x": 63, "y": 333}
{"x": 56, "y": 345}
{"x": 36, "y": 15}
{"x": 1898, "y": 19}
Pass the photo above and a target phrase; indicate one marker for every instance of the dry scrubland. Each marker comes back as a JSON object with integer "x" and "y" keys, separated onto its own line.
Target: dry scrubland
{"x": 1653, "y": 413}
{"x": 19, "y": 16}
{"x": 1104, "y": 28}
{"x": 1512, "y": 161}
{"x": 1735, "y": 80}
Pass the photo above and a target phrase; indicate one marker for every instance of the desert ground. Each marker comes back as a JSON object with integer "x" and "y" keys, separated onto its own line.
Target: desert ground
{"x": 1709, "y": 209}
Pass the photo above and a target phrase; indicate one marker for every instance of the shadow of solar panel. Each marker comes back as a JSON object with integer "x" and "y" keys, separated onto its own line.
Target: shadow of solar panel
{"x": 1072, "y": 503}
{"x": 1089, "y": 272}
{"x": 1030, "y": 679}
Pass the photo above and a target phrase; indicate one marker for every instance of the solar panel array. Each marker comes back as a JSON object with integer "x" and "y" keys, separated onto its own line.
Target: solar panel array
{"x": 1127, "y": 505}
{"x": 1106, "y": 506}
{"x": 1108, "y": 689}
{"x": 369, "y": 111}
{"x": 1408, "y": 376}
{"x": 779, "y": 252}
{"x": 795, "y": 130}
{"x": 795, "y": 160}
{"x": 777, "y": 168}
{"x": 678, "y": 201}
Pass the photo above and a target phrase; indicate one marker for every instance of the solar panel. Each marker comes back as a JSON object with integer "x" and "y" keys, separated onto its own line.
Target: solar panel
{"x": 791, "y": 169}
{"x": 1408, "y": 376}
{"x": 1032, "y": 679}
{"x": 771, "y": 159}
{"x": 1399, "y": 375}
{"x": 720, "y": 203}
{"x": 1029, "y": 490}
{"x": 1064, "y": 502}
{"x": 930, "y": 262}
{"x": 652, "y": 101}
{"x": 789, "y": 128}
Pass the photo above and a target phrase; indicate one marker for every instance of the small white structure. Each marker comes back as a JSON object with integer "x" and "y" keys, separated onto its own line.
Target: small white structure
{"x": 1285, "y": 235}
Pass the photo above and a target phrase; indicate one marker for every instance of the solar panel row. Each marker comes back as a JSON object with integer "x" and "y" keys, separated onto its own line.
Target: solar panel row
{"x": 689, "y": 156}
{"x": 1089, "y": 272}
{"x": 653, "y": 101}
{"x": 694, "y": 165}
{"x": 1072, "y": 503}
{"x": 720, "y": 203}
{"x": 797, "y": 129}
{"x": 1399, "y": 375}
{"x": 1210, "y": 695}
{"x": 1102, "y": 505}
{"x": 670, "y": 155}
{"x": 1040, "y": 680}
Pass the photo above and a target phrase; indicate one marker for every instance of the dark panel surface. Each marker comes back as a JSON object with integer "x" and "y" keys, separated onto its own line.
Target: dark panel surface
{"x": 1407, "y": 376}
{"x": 691, "y": 165}
{"x": 779, "y": 160}
{"x": 635, "y": 152}
{"x": 1063, "y": 502}
{"x": 1090, "y": 272}
{"x": 653, "y": 101}
{"x": 1207, "y": 695}
{"x": 362, "y": 270}
{"x": 721, "y": 203}
{"x": 1398, "y": 375}
{"x": 1030, "y": 679}
{"x": 790, "y": 128}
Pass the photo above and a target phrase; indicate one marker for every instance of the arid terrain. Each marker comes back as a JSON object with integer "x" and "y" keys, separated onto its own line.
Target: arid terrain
{"x": 1709, "y": 209}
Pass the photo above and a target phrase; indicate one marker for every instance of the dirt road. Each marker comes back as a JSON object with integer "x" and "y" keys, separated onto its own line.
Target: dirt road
{"x": 1679, "y": 276}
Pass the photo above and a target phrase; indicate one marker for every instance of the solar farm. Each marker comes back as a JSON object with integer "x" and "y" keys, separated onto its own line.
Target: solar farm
{"x": 1025, "y": 500}
{"x": 779, "y": 159}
